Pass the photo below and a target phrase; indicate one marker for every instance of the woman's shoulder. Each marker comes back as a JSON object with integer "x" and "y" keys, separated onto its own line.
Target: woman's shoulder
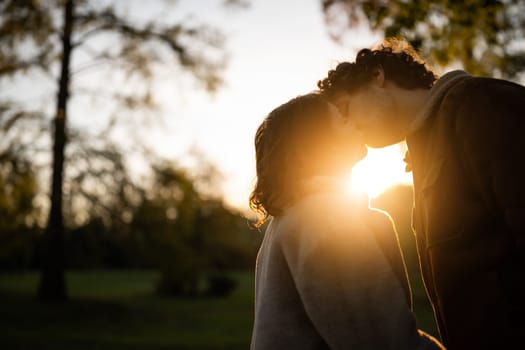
{"x": 326, "y": 206}
{"x": 379, "y": 219}
{"x": 320, "y": 215}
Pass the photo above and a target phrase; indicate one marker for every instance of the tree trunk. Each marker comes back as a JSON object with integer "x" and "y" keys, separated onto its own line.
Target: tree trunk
{"x": 52, "y": 279}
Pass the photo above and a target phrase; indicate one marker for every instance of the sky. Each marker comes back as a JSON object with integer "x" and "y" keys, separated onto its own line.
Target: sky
{"x": 278, "y": 50}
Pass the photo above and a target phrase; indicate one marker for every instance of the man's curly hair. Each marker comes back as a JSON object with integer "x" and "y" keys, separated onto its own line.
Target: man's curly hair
{"x": 399, "y": 60}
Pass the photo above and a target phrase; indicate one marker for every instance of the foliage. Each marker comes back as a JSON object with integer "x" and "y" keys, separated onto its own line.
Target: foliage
{"x": 18, "y": 188}
{"x": 190, "y": 238}
{"x": 18, "y": 214}
{"x": 105, "y": 44}
{"x": 96, "y": 245}
{"x": 485, "y": 36}
{"x": 49, "y": 44}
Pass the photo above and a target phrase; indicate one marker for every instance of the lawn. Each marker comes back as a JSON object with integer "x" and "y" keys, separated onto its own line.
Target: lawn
{"x": 118, "y": 310}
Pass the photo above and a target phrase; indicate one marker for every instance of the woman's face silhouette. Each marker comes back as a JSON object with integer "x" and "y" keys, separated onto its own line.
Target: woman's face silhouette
{"x": 347, "y": 137}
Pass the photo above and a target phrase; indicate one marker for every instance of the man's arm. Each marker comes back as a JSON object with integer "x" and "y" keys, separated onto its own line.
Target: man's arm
{"x": 491, "y": 132}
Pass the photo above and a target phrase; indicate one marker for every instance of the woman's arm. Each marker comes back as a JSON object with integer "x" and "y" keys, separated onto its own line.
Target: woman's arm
{"x": 347, "y": 286}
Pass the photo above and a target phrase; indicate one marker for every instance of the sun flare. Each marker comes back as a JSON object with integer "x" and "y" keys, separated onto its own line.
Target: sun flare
{"x": 380, "y": 170}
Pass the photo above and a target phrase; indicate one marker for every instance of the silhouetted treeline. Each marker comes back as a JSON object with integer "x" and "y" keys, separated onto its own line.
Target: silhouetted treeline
{"x": 166, "y": 224}
{"x": 222, "y": 236}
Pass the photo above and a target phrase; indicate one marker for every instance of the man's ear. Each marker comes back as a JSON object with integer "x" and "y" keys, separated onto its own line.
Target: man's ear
{"x": 378, "y": 75}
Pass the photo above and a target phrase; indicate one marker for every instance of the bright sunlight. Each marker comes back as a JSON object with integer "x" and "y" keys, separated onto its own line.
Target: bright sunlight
{"x": 381, "y": 169}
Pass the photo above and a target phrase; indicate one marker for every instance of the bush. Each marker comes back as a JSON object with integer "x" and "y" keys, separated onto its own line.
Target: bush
{"x": 221, "y": 285}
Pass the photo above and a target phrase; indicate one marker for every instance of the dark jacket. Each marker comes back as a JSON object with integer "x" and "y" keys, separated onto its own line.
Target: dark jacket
{"x": 468, "y": 164}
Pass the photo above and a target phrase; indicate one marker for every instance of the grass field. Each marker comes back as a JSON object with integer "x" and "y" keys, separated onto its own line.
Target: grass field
{"x": 118, "y": 310}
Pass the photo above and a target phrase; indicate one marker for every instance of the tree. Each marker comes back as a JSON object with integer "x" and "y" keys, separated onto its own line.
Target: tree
{"x": 484, "y": 36}
{"x": 46, "y": 39}
{"x": 18, "y": 215}
{"x": 164, "y": 222}
{"x": 192, "y": 238}
{"x": 18, "y": 187}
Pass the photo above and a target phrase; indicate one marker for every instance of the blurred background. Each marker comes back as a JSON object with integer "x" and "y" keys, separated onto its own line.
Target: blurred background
{"x": 126, "y": 152}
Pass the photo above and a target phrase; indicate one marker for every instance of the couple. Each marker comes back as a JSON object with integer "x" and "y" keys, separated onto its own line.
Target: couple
{"x": 330, "y": 273}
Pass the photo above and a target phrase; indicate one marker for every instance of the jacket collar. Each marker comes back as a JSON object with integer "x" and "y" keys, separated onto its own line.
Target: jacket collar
{"x": 438, "y": 91}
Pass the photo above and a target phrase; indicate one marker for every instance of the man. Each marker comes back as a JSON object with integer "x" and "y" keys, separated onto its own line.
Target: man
{"x": 466, "y": 141}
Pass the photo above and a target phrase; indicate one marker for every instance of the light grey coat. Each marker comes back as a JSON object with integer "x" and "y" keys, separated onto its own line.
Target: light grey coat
{"x": 322, "y": 282}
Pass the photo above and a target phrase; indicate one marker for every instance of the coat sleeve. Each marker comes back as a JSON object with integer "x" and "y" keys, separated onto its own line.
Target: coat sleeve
{"x": 348, "y": 289}
{"x": 491, "y": 131}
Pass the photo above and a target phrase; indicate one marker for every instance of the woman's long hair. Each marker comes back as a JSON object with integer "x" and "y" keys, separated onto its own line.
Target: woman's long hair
{"x": 296, "y": 141}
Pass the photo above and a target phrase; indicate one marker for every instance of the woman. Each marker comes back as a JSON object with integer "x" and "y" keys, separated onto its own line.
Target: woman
{"x": 329, "y": 274}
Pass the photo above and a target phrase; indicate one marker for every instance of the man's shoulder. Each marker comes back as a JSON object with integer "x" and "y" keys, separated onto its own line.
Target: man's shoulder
{"x": 483, "y": 98}
{"x": 480, "y": 108}
{"x": 475, "y": 87}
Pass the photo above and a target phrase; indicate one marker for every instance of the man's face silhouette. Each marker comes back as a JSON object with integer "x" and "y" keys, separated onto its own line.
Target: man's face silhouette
{"x": 374, "y": 110}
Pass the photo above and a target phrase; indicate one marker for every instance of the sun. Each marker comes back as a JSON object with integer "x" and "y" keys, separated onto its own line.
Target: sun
{"x": 381, "y": 169}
